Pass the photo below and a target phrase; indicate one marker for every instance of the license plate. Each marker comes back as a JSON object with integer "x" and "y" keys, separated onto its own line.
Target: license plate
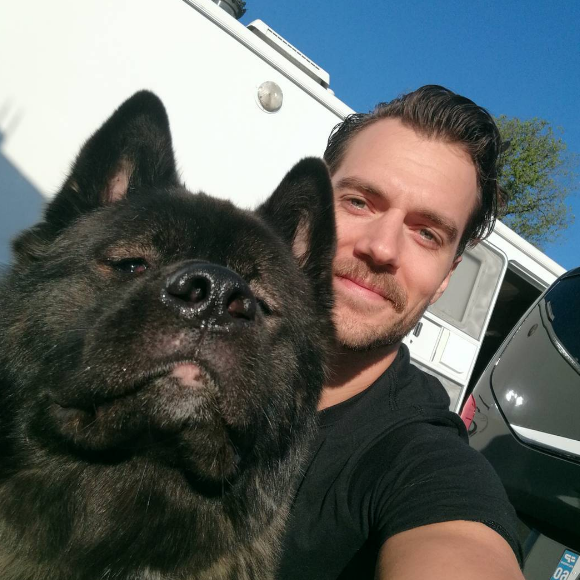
{"x": 568, "y": 568}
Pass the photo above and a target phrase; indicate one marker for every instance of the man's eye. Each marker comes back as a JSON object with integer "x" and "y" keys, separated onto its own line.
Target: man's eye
{"x": 357, "y": 203}
{"x": 429, "y": 238}
{"x": 129, "y": 265}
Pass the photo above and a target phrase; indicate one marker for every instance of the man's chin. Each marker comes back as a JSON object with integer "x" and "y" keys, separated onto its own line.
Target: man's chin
{"x": 369, "y": 344}
{"x": 358, "y": 336}
{"x": 354, "y": 336}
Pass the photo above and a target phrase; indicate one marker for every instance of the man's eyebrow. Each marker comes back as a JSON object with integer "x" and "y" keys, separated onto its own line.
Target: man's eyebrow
{"x": 447, "y": 226}
{"x": 360, "y": 185}
{"x": 450, "y": 229}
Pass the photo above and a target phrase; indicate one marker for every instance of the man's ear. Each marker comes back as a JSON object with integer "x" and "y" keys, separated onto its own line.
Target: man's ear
{"x": 132, "y": 150}
{"x": 445, "y": 282}
{"x": 301, "y": 211}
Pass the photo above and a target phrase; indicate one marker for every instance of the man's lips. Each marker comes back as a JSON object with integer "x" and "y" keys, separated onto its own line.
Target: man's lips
{"x": 362, "y": 288}
{"x": 362, "y": 283}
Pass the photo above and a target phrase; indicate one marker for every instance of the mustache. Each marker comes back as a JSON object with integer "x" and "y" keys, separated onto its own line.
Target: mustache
{"x": 380, "y": 282}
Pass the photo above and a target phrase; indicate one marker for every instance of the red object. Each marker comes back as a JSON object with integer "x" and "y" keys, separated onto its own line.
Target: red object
{"x": 468, "y": 411}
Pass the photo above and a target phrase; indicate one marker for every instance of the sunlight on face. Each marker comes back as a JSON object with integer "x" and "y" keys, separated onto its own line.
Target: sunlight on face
{"x": 402, "y": 202}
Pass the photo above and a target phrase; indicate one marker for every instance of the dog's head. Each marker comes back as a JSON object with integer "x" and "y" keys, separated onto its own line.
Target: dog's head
{"x": 158, "y": 338}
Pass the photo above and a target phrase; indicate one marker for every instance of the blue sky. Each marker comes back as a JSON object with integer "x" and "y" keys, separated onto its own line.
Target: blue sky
{"x": 518, "y": 58}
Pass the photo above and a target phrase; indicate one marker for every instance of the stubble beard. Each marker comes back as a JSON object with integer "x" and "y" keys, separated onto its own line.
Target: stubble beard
{"x": 357, "y": 334}
{"x": 354, "y": 335}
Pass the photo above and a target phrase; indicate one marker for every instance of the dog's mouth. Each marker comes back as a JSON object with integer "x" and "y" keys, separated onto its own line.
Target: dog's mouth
{"x": 185, "y": 374}
{"x": 172, "y": 413}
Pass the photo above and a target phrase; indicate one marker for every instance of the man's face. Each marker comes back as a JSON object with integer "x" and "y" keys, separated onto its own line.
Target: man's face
{"x": 402, "y": 203}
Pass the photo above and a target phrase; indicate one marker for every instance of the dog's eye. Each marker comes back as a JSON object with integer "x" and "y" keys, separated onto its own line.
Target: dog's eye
{"x": 130, "y": 265}
{"x": 263, "y": 306}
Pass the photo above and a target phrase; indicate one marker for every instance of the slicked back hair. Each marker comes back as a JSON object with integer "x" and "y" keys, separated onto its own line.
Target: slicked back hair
{"x": 438, "y": 113}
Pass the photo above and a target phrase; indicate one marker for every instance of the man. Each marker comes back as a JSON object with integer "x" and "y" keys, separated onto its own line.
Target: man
{"x": 393, "y": 489}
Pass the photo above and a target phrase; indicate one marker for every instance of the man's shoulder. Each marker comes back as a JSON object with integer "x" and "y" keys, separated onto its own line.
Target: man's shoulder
{"x": 394, "y": 459}
{"x": 424, "y": 473}
{"x": 391, "y": 428}
{"x": 402, "y": 390}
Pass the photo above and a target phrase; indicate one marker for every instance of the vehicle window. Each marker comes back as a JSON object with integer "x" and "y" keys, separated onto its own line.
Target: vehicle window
{"x": 563, "y": 306}
{"x": 468, "y": 298}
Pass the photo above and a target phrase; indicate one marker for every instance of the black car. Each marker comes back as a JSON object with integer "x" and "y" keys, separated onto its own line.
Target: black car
{"x": 527, "y": 424}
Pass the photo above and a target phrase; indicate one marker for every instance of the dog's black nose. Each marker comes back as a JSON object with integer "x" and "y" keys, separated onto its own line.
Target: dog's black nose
{"x": 208, "y": 292}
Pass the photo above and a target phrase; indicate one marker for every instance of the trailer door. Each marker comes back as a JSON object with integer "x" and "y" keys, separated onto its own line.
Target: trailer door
{"x": 448, "y": 338}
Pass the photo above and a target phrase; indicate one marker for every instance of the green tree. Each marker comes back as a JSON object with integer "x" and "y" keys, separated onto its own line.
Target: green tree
{"x": 538, "y": 174}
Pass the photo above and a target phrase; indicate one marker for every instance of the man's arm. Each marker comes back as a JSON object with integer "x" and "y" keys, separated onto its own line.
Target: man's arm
{"x": 457, "y": 550}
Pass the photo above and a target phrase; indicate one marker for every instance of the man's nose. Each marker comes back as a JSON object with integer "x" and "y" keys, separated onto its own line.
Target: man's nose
{"x": 381, "y": 241}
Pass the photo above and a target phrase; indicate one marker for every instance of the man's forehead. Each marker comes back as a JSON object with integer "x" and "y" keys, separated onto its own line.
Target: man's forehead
{"x": 390, "y": 130}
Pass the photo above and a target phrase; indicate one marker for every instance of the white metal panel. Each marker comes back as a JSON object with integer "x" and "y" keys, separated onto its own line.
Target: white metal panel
{"x": 459, "y": 354}
{"x": 457, "y": 373}
{"x": 67, "y": 65}
{"x": 469, "y": 299}
{"x": 503, "y": 236}
{"x": 529, "y": 259}
{"x": 424, "y": 339}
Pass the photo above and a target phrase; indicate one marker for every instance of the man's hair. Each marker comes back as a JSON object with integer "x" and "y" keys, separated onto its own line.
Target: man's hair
{"x": 437, "y": 112}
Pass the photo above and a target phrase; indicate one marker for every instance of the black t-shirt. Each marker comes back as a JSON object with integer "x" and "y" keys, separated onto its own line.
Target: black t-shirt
{"x": 387, "y": 460}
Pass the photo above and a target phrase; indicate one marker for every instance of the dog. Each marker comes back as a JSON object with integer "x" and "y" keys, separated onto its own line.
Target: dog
{"x": 161, "y": 358}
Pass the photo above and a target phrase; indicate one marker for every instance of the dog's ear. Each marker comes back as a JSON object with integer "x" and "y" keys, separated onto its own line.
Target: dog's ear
{"x": 131, "y": 151}
{"x": 301, "y": 210}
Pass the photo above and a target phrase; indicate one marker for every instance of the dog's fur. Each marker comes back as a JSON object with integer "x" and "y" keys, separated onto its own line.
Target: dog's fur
{"x": 160, "y": 364}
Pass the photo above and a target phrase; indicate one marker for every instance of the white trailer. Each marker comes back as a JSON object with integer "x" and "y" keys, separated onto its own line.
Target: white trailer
{"x": 66, "y": 65}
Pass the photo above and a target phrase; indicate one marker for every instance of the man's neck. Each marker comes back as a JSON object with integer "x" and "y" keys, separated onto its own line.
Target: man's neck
{"x": 353, "y": 372}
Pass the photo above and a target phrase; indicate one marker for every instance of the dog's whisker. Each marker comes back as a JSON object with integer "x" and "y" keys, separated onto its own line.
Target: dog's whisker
{"x": 265, "y": 413}
{"x": 141, "y": 481}
{"x": 149, "y": 495}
